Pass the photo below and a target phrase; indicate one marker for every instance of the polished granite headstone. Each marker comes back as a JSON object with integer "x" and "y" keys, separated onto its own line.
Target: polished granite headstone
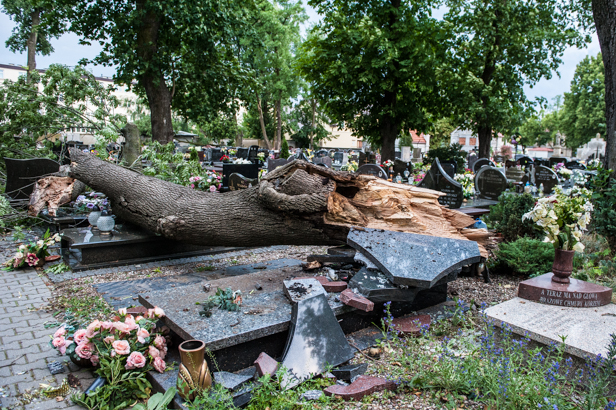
{"x": 327, "y": 161}
{"x": 547, "y": 177}
{"x": 575, "y": 165}
{"x": 413, "y": 260}
{"x": 471, "y": 161}
{"x": 558, "y": 160}
{"x": 525, "y": 161}
{"x": 401, "y": 166}
{"x": 482, "y": 162}
{"x": 238, "y": 181}
{"x": 436, "y": 178}
{"x": 272, "y": 164}
{"x": 250, "y": 171}
{"x": 302, "y": 288}
{"x": 21, "y": 174}
{"x": 366, "y": 158}
{"x": 315, "y": 342}
{"x": 490, "y": 182}
{"x": 372, "y": 169}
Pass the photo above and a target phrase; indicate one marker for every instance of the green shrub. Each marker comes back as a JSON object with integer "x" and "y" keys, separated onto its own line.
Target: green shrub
{"x": 284, "y": 149}
{"x": 526, "y": 256}
{"x": 506, "y": 216}
{"x": 453, "y": 152}
{"x": 604, "y": 201}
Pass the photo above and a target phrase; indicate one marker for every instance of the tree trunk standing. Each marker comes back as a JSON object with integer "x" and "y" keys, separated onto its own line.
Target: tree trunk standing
{"x": 262, "y": 121}
{"x": 152, "y": 79}
{"x": 314, "y": 120}
{"x": 278, "y": 125}
{"x": 604, "y": 13}
{"x": 31, "y": 42}
{"x": 485, "y": 139}
{"x": 132, "y": 148}
{"x": 389, "y": 132}
{"x": 239, "y": 138}
{"x": 297, "y": 204}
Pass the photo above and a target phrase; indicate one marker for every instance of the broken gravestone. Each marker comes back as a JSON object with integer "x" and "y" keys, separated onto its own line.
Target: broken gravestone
{"x": 413, "y": 260}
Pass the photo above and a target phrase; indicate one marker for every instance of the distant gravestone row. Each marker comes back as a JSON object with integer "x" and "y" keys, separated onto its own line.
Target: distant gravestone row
{"x": 439, "y": 180}
{"x": 372, "y": 169}
{"x": 480, "y": 163}
{"x": 547, "y": 177}
{"x": 490, "y": 182}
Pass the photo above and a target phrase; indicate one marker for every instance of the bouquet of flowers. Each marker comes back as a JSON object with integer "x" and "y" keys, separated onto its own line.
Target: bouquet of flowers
{"x": 261, "y": 156}
{"x": 232, "y": 152}
{"x": 241, "y": 161}
{"x": 225, "y": 158}
{"x": 467, "y": 182}
{"x": 563, "y": 218}
{"x": 417, "y": 178}
{"x": 33, "y": 253}
{"x": 126, "y": 338}
{"x": 387, "y": 164}
{"x": 578, "y": 178}
{"x": 562, "y": 170}
{"x": 350, "y": 166}
{"x": 210, "y": 182}
{"x": 594, "y": 164}
{"x": 89, "y": 203}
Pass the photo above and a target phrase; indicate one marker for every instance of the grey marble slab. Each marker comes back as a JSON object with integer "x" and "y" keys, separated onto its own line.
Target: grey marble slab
{"x": 411, "y": 259}
{"x": 315, "y": 342}
{"x": 300, "y": 289}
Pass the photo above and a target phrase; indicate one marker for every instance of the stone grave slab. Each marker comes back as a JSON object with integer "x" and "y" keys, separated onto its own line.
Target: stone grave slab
{"x": 547, "y": 177}
{"x": 575, "y": 165}
{"x": 21, "y": 174}
{"x": 557, "y": 160}
{"x": 437, "y": 179}
{"x": 577, "y": 293}
{"x": 272, "y": 164}
{"x": 401, "y": 166}
{"x": 471, "y": 161}
{"x": 413, "y": 260}
{"x": 587, "y": 330}
{"x": 231, "y": 381}
{"x": 239, "y": 181}
{"x": 316, "y": 341}
{"x": 363, "y": 259}
{"x": 250, "y": 171}
{"x": 350, "y": 372}
{"x": 480, "y": 163}
{"x": 362, "y": 386}
{"x": 327, "y": 161}
{"x": 300, "y": 289}
{"x": 490, "y": 182}
{"x": 372, "y": 169}
{"x": 366, "y": 158}
{"x": 263, "y": 313}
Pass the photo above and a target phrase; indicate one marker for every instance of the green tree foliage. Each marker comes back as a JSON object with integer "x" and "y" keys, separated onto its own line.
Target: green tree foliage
{"x": 534, "y": 132}
{"x": 178, "y": 52}
{"x": 67, "y": 98}
{"x": 497, "y": 49}
{"x": 441, "y": 132}
{"x": 37, "y": 21}
{"x": 373, "y": 65}
{"x": 307, "y": 124}
{"x": 453, "y": 152}
{"x": 583, "y": 112}
{"x": 284, "y": 149}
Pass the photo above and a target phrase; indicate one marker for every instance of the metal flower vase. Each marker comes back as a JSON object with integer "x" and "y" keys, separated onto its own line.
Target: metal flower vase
{"x": 563, "y": 266}
{"x": 194, "y": 374}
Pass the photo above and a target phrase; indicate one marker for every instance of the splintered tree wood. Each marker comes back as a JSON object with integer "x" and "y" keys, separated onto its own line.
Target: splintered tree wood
{"x": 50, "y": 192}
{"x": 297, "y": 204}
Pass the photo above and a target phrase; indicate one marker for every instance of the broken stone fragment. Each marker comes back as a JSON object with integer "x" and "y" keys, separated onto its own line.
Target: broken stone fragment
{"x": 266, "y": 365}
{"x": 350, "y": 372}
{"x": 338, "y": 286}
{"x": 411, "y": 325}
{"x": 351, "y": 299}
{"x": 300, "y": 289}
{"x": 362, "y": 386}
{"x": 312, "y": 395}
{"x": 311, "y": 265}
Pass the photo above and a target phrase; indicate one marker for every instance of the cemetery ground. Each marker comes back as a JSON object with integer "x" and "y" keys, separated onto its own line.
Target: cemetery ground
{"x": 457, "y": 328}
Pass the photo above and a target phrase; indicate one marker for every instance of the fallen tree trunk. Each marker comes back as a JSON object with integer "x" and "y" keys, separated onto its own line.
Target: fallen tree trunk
{"x": 297, "y": 204}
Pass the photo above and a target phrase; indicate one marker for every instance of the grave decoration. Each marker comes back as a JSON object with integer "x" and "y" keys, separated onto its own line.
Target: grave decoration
{"x": 480, "y": 163}
{"x": 557, "y": 160}
{"x": 239, "y": 181}
{"x": 401, "y": 166}
{"x": 436, "y": 178}
{"x": 490, "y": 182}
{"x": 563, "y": 218}
{"x": 33, "y": 254}
{"x": 546, "y": 177}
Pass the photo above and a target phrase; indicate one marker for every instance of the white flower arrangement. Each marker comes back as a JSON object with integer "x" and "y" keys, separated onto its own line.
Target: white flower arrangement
{"x": 467, "y": 182}
{"x": 565, "y": 172}
{"x": 578, "y": 178}
{"x": 563, "y": 218}
{"x": 241, "y": 161}
{"x": 388, "y": 164}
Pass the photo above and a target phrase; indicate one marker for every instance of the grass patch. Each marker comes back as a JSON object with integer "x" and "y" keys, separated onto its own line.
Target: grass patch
{"x": 205, "y": 268}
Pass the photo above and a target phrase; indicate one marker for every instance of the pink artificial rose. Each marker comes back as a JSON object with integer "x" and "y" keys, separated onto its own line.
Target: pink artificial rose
{"x": 62, "y": 348}
{"x": 122, "y": 311}
{"x": 135, "y": 360}
{"x": 113, "y": 353}
{"x": 60, "y": 332}
{"x": 212, "y": 188}
{"x": 154, "y": 352}
{"x": 31, "y": 259}
{"x": 85, "y": 350}
{"x": 107, "y": 325}
{"x": 92, "y": 329}
{"x": 156, "y": 312}
{"x": 138, "y": 318}
{"x": 109, "y": 339}
{"x": 192, "y": 186}
{"x": 160, "y": 342}
{"x": 159, "y": 364}
{"x": 94, "y": 359}
{"x": 80, "y": 337}
{"x": 130, "y": 323}
{"x": 58, "y": 341}
{"x": 121, "y": 347}
{"x": 121, "y": 327}
{"x": 142, "y": 334}
{"x": 17, "y": 262}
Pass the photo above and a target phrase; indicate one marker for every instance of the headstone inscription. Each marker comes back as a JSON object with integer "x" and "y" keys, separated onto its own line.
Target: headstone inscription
{"x": 272, "y": 164}
{"x": 21, "y": 174}
{"x": 247, "y": 170}
{"x": 490, "y": 182}
{"x": 436, "y": 178}
{"x": 480, "y": 163}
{"x": 575, "y": 165}
{"x": 238, "y": 181}
{"x": 547, "y": 177}
{"x": 372, "y": 169}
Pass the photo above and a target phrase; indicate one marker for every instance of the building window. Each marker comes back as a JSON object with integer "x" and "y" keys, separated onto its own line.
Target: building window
{"x": 472, "y": 141}
{"x": 1, "y": 74}
{"x": 462, "y": 141}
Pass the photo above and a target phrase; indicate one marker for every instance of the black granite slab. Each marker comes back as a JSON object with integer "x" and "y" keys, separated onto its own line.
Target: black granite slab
{"x": 238, "y": 181}
{"x": 490, "y": 182}
{"x": 315, "y": 341}
{"x": 547, "y": 177}
{"x": 250, "y": 171}
{"x": 438, "y": 179}
{"x": 21, "y": 174}
{"x": 411, "y": 259}
{"x": 372, "y": 169}
{"x": 480, "y": 163}
{"x": 350, "y": 372}
{"x": 272, "y": 164}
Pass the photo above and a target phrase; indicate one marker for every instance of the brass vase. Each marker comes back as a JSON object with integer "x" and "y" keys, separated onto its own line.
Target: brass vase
{"x": 563, "y": 266}
{"x": 194, "y": 374}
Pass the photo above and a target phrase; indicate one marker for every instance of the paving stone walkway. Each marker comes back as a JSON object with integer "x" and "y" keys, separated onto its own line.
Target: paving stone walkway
{"x": 24, "y": 341}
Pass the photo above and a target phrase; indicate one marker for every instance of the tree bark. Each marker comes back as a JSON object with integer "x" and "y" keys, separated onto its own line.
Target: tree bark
{"x": 152, "y": 80}
{"x": 313, "y": 103}
{"x": 604, "y": 13}
{"x": 132, "y": 148}
{"x": 31, "y": 42}
{"x": 297, "y": 204}
{"x": 389, "y": 132}
{"x": 268, "y": 144}
{"x": 239, "y": 137}
{"x": 485, "y": 139}
{"x": 278, "y": 125}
